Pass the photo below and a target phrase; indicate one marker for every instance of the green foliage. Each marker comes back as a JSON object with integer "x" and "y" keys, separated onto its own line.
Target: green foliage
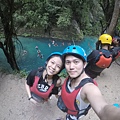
{"x": 23, "y": 73}
{"x": 63, "y": 74}
{"x": 26, "y": 35}
{"x": 64, "y": 19}
{"x": 118, "y": 25}
{"x": 49, "y": 14}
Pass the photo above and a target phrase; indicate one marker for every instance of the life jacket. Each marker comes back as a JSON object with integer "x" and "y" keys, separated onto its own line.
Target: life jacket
{"x": 69, "y": 99}
{"x": 34, "y": 89}
{"x": 102, "y": 61}
{"x": 118, "y": 55}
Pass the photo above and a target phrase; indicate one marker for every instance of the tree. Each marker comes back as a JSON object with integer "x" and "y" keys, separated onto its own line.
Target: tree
{"x": 111, "y": 11}
{"x": 7, "y": 10}
{"x": 114, "y": 20}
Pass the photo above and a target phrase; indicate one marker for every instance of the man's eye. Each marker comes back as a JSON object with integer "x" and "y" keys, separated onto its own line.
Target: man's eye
{"x": 76, "y": 62}
{"x": 67, "y": 62}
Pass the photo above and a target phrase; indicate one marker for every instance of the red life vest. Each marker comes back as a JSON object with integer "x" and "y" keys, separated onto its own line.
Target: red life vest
{"x": 69, "y": 99}
{"x": 104, "y": 62}
{"x": 34, "y": 89}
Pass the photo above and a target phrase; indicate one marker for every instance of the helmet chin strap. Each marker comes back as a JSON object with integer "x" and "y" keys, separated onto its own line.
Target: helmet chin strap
{"x": 79, "y": 74}
{"x": 46, "y": 76}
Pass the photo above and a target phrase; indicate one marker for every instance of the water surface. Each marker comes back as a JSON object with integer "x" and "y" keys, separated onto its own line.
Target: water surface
{"x": 27, "y": 57}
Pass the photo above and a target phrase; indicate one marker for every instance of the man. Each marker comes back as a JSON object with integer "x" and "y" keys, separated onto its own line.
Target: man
{"x": 80, "y": 92}
{"x": 102, "y": 57}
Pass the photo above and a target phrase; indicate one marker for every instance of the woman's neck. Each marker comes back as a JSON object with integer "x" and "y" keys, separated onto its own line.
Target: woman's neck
{"x": 46, "y": 76}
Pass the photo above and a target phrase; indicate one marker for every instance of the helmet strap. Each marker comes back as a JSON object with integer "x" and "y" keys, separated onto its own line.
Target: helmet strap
{"x": 46, "y": 76}
{"x": 79, "y": 74}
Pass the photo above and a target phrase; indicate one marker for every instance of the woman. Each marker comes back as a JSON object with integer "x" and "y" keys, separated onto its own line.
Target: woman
{"x": 44, "y": 82}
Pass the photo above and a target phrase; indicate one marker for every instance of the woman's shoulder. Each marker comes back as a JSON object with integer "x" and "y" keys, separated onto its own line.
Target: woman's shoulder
{"x": 59, "y": 82}
{"x": 34, "y": 71}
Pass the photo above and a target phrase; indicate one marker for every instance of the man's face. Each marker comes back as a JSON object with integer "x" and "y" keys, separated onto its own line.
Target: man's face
{"x": 54, "y": 65}
{"x": 73, "y": 65}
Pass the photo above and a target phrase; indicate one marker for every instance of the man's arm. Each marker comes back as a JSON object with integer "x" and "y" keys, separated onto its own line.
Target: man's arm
{"x": 98, "y": 103}
{"x": 110, "y": 112}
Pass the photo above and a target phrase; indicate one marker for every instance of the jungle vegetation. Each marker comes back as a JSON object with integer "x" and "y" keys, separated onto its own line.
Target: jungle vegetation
{"x": 66, "y": 19}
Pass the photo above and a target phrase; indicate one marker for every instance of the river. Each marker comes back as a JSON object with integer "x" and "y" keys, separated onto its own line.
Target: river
{"x": 27, "y": 56}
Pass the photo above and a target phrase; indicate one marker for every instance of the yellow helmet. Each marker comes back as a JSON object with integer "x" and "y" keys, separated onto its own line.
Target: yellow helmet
{"x": 105, "y": 39}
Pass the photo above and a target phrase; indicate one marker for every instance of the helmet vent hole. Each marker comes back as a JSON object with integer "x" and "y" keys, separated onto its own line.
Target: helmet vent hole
{"x": 74, "y": 47}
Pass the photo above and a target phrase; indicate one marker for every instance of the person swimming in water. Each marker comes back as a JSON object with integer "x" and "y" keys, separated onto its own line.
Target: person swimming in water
{"x": 39, "y": 52}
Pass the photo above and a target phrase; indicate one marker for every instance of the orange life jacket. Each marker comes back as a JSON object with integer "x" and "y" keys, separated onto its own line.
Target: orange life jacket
{"x": 104, "y": 62}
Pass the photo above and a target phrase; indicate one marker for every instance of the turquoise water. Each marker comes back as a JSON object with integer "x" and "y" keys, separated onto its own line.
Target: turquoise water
{"x": 27, "y": 57}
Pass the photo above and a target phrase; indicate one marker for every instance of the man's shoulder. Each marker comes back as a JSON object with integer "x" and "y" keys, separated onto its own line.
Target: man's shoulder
{"x": 95, "y": 51}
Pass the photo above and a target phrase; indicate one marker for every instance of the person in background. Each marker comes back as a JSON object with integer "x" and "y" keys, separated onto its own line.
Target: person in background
{"x": 79, "y": 92}
{"x": 115, "y": 42}
{"x": 24, "y": 52}
{"x": 44, "y": 82}
{"x": 100, "y": 58}
{"x": 39, "y": 53}
{"x": 116, "y": 38}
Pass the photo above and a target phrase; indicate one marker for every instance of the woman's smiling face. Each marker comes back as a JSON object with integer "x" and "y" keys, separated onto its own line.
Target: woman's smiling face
{"x": 54, "y": 65}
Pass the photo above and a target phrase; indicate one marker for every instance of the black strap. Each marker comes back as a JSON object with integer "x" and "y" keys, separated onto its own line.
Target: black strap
{"x": 84, "y": 81}
{"x": 55, "y": 78}
{"x": 39, "y": 72}
{"x": 85, "y": 112}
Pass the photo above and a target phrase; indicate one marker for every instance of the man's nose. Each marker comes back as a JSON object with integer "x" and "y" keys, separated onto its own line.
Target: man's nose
{"x": 71, "y": 65}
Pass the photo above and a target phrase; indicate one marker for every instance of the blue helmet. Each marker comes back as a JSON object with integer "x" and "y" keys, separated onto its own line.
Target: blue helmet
{"x": 53, "y": 54}
{"x": 75, "y": 50}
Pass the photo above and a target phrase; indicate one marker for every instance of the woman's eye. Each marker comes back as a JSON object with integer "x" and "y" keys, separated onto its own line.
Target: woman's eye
{"x": 59, "y": 67}
{"x": 52, "y": 62}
